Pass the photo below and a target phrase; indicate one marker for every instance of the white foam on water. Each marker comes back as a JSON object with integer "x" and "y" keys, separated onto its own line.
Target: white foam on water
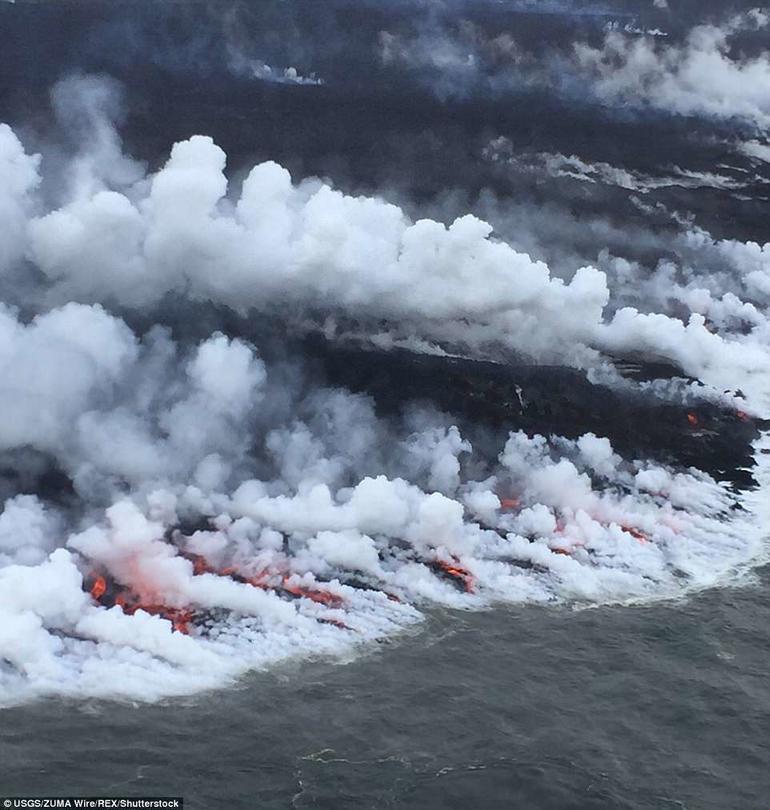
{"x": 579, "y": 526}
{"x": 322, "y": 527}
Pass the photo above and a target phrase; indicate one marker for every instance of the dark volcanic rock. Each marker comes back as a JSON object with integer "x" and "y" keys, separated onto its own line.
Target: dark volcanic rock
{"x": 549, "y": 400}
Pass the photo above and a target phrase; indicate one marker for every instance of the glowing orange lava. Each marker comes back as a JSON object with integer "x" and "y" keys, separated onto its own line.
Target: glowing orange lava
{"x": 263, "y": 581}
{"x": 335, "y": 622}
{"x": 637, "y": 534}
{"x": 110, "y": 593}
{"x": 321, "y": 597}
{"x": 200, "y": 565}
{"x": 180, "y": 618}
{"x": 458, "y": 573}
{"x": 99, "y": 586}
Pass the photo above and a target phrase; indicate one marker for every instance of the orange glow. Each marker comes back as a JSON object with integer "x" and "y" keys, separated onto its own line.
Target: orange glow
{"x": 693, "y": 419}
{"x": 335, "y": 622}
{"x": 510, "y": 503}
{"x": 99, "y": 587}
{"x": 125, "y": 602}
{"x": 130, "y": 602}
{"x": 109, "y": 593}
{"x": 200, "y": 565}
{"x": 637, "y": 534}
{"x": 457, "y": 572}
{"x": 180, "y": 618}
{"x": 743, "y": 416}
{"x": 321, "y": 597}
{"x": 262, "y": 580}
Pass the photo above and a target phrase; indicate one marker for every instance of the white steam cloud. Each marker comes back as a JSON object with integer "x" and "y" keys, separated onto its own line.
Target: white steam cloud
{"x": 500, "y": 150}
{"x": 310, "y": 248}
{"x": 698, "y": 77}
{"x": 632, "y": 68}
{"x": 221, "y": 514}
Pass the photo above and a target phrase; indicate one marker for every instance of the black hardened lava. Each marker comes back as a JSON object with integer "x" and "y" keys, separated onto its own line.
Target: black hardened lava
{"x": 549, "y": 400}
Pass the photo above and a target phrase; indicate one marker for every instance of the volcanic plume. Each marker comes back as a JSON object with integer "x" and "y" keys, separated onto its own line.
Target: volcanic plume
{"x": 250, "y": 415}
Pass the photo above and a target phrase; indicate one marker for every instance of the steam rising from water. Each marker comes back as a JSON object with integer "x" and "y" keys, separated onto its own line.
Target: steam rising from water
{"x": 702, "y": 75}
{"x": 312, "y": 249}
{"x": 223, "y": 510}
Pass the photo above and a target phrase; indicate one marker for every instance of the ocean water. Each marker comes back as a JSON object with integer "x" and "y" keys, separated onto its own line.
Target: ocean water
{"x": 663, "y": 706}
{"x": 663, "y": 703}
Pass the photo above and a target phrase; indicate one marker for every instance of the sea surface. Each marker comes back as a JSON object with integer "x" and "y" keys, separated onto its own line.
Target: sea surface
{"x": 664, "y": 706}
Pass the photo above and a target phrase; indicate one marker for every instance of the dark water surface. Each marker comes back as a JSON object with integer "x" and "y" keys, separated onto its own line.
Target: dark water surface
{"x": 666, "y": 706}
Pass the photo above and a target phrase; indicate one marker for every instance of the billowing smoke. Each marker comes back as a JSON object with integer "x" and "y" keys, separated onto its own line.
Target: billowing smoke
{"x": 632, "y": 68}
{"x": 698, "y": 77}
{"x": 307, "y": 248}
{"x": 501, "y": 152}
{"x": 192, "y": 503}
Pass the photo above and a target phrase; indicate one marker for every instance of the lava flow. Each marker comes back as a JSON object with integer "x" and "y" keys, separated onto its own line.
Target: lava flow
{"x": 637, "y": 534}
{"x": 266, "y": 582}
{"x": 456, "y": 573}
{"x": 99, "y": 587}
{"x": 109, "y": 593}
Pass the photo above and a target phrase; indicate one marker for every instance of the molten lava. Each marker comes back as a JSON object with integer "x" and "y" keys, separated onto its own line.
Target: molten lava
{"x": 180, "y": 618}
{"x": 510, "y": 503}
{"x": 462, "y": 576}
{"x": 321, "y": 597}
{"x": 98, "y": 586}
{"x": 200, "y": 564}
{"x": 263, "y": 580}
{"x": 335, "y": 622}
{"x": 108, "y": 593}
{"x": 637, "y": 534}
{"x": 693, "y": 419}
